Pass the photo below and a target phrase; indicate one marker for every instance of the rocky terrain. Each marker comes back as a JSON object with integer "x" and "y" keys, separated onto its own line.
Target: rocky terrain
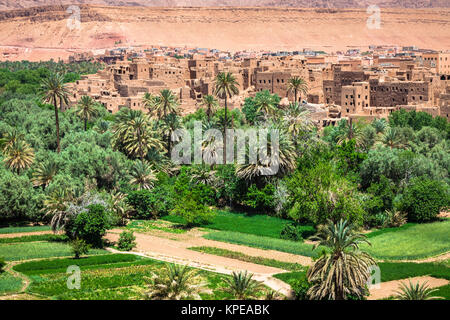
{"x": 45, "y": 32}
{"x": 16, "y": 4}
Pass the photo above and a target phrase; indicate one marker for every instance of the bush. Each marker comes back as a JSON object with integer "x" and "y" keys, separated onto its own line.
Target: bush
{"x": 294, "y": 232}
{"x": 300, "y": 287}
{"x": 424, "y": 199}
{"x": 89, "y": 225}
{"x": 261, "y": 199}
{"x": 193, "y": 213}
{"x": 2, "y": 265}
{"x": 126, "y": 241}
{"x": 79, "y": 247}
{"x": 151, "y": 204}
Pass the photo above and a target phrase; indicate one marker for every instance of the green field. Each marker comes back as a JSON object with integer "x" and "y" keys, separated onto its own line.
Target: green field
{"x": 268, "y": 243}
{"x": 34, "y": 250}
{"x": 260, "y": 225}
{"x": 9, "y": 283}
{"x": 415, "y": 241}
{"x": 110, "y": 277}
{"x": 24, "y": 229}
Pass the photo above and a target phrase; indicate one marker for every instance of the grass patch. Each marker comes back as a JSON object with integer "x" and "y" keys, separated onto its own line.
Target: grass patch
{"x": 412, "y": 241}
{"x": 104, "y": 278}
{"x": 60, "y": 265}
{"x": 397, "y": 271}
{"x": 6, "y": 230}
{"x": 34, "y": 250}
{"x": 9, "y": 283}
{"x": 268, "y": 243}
{"x": 34, "y": 238}
{"x": 289, "y": 277}
{"x": 260, "y": 225}
{"x": 443, "y": 292}
{"x": 149, "y": 225}
{"x": 243, "y": 257}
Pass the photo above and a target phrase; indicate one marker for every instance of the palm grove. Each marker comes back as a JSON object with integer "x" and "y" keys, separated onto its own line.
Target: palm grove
{"x": 87, "y": 166}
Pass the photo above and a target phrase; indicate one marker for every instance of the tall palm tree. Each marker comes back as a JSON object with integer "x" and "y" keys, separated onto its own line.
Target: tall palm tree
{"x": 242, "y": 286}
{"x": 170, "y": 123}
{"x": 55, "y": 90}
{"x": 44, "y": 174}
{"x": 175, "y": 282}
{"x": 142, "y": 175}
{"x": 416, "y": 292}
{"x": 226, "y": 86}
{"x": 134, "y": 134}
{"x": 167, "y": 103}
{"x": 297, "y": 84}
{"x": 86, "y": 110}
{"x": 18, "y": 156}
{"x": 266, "y": 103}
{"x": 210, "y": 103}
{"x": 343, "y": 269}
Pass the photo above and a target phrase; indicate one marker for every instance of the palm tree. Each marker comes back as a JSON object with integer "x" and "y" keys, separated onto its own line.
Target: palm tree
{"x": 44, "y": 174}
{"x": 265, "y": 102}
{"x": 134, "y": 134}
{"x": 379, "y": 125}
{"x": 285, "y": 160}
{"x": 416, "y": 292}
{"x": 54, "y": 91}
{"x": 150, "y": 102}
{"x": 202, "y": 174}
{"x": 9, "y": 138}
{"x": 343, "y": 269}
{"x": 241, "y": 285}
{"x": 174, "y": 282}
{"x": 86, "y": 110}
{"x": 298, "y": 120}
{"x": 56, "y": 205}
{"x": 392, "y": 138}
{"x": 167, "y": 103}
{"x": 170, "y": 123}
{"x": 210, "y": 103}
{"x": 18, "y": 156}
{"x": 120, "y": 206}
{"x": 142, "y": 175}
{"x": 226, "y": 86}
{"x": 297, "y": 84}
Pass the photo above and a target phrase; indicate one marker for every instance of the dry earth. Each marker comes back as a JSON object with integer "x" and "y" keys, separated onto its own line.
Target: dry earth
{"x": 43, "y": 33}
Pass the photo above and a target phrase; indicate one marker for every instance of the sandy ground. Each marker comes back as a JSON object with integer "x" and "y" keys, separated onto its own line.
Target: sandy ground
{"x": 390, "y": 288}
{"x": 43, "y": 34}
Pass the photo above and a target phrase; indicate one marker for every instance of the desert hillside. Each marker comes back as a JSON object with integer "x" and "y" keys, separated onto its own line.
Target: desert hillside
{"x": 17, "y": 4}
{"x": 41, "y": 33}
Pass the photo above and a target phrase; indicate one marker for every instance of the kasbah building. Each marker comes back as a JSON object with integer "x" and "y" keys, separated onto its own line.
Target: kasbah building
{"x": 349, "y": 85}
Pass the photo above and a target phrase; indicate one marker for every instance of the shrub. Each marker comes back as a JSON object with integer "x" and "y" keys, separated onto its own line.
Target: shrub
{"x": 2, "y": 264}
{"x": 151, "y": 204}
{"x": 294, "y": 232}
{"x": 300, "y": 287}
{"x": 126, "y": 241}
{"x": 79, "y": 247}
{"x": 261, "y": 199}
{"x": 193, "y": 213}
{"x": 89, "y": 225}
{"x": 423, "y": 199}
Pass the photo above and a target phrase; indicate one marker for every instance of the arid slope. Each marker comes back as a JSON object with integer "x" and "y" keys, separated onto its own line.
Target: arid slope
{"x": 39, "y": 33}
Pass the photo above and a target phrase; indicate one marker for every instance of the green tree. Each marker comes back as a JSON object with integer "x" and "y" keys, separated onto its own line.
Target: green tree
{"x": 54, "y": 90}
{"x": 210, "y": 103}
{"x": 342, "y": 270}
{"x": 86, "y": 110}
{"x": 226, "y": 86}
{"x": 242, "y": 286}
{"x": 297, "y": 84}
